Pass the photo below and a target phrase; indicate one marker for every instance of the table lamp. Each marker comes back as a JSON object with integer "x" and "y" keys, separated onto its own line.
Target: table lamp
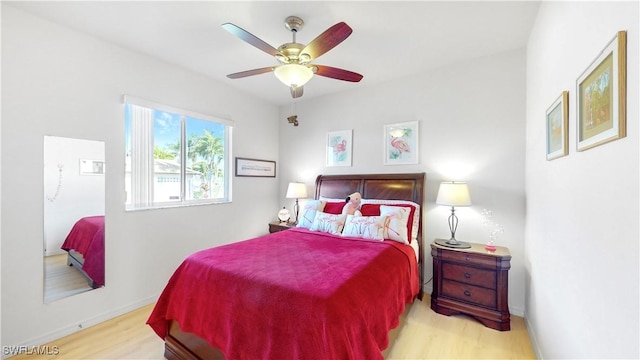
{"x": 296, "y": 190}
{"x": 453, "y": 194}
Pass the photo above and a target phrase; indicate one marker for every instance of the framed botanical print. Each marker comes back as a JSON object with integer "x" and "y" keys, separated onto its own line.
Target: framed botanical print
{"x": 602, "y": 92}
{"x": 557, "y": 124}
{"x": 401, "y": 143}
{"x": 339, "y": 148}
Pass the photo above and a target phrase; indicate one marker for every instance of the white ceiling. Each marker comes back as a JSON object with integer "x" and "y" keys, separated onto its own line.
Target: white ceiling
{"x": 389, "y": 40}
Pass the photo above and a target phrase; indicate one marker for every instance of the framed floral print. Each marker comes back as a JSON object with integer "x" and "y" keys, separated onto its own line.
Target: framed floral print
{"x": 557, "y": 125}
{"x": 401, "y": 143}
{"x": 602, "y": 92}
{"x": 339, "y": 148}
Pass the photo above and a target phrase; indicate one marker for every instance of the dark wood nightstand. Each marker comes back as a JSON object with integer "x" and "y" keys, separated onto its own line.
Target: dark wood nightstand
{"x": 276, "y": 226}
{"x": 474, "y": 282}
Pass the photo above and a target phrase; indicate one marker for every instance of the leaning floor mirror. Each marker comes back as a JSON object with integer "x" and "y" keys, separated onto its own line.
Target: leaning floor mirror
{"x": 74, "y": 203}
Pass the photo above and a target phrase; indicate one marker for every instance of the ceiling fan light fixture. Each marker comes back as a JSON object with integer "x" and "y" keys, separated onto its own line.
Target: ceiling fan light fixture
{"x": 293, "y": 74}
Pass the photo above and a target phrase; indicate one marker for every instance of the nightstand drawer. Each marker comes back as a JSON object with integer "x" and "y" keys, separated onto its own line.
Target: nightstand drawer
{"x": 467, "y": 258}
{"x": 469, "y": 275}
{"x": 469, "y": 293}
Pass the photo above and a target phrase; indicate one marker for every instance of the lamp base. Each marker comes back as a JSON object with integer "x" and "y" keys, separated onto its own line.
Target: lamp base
{"x": 453, "y": 243}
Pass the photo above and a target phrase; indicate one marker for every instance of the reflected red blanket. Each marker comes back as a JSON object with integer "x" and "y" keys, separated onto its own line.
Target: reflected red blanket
{"x": 87, "y": 238}
{"x": 294, "y": 294}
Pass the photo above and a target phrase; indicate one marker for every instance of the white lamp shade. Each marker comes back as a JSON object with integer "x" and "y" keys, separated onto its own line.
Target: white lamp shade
{"x": 453, "y": 194}
{"x": 293, "y": 74}
{"x": 296, "y": 190}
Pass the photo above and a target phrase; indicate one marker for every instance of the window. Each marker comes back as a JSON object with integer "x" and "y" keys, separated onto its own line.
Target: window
{"x": 174, "y": 157}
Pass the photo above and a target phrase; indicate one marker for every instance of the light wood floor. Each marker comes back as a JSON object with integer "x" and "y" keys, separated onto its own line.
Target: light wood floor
{"x": 61, "y": 280}
{"x": 424, "y": 335}
{"x": 428, "y": 335}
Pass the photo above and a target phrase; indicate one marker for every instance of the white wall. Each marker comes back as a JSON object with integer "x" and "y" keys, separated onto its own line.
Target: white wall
{"x": 582, "y": 210}
{"x": 471, "y": 120}
{"x": 56, "y": 81}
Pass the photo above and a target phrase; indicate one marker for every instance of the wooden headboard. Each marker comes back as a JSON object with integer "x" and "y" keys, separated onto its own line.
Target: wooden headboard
{"x": 378, "y": 186}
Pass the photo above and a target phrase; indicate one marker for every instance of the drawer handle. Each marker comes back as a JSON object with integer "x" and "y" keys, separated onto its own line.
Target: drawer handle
{"x": 467, "y": 293}
{"x": 467, "y": 275}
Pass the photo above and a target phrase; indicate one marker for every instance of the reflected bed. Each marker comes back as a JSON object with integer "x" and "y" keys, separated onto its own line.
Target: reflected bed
{"x": 85, "y": 249}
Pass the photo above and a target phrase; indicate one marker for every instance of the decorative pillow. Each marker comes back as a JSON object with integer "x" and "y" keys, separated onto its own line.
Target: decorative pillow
{"x": 308, "y": 212}
{"x": 368, "y": 227}
{"x": 397, "y": 228}
{"x": 334, "y": 207}
{"x": 371, "y": 207}
{"x": 328, "y": 223}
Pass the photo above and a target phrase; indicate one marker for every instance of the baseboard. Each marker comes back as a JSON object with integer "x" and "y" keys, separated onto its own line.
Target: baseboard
{"x": 516, "y": 311}
{"x": 54, "y": 252}
{"x": 427, "y": 288}
{"x": 534, "y": 340}
{"x": 83, "y": 324}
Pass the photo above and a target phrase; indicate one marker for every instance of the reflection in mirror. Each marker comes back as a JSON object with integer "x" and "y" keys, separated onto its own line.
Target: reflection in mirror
{"x": 74, "y": 201}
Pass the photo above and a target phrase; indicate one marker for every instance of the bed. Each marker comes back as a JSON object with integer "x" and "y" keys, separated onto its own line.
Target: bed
{"x": 300, "y": 293}
{"x": 85, "y": 249}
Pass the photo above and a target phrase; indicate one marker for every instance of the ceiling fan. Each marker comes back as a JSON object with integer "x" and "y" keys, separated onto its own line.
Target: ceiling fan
{"x": 295, "y": 67}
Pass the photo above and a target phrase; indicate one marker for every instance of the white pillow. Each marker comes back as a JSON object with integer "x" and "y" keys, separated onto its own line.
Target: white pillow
{"x": 367, "y": 227}
{"x": 416, "y": 217}
{"x": 328, "y": 223}
{"x": 308, "y": 212}
{"x": 397, "y": 225}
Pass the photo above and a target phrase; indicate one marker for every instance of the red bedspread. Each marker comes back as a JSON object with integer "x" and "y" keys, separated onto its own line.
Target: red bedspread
{"x": 294, "y": 294}
{"x": 87, "y": 238}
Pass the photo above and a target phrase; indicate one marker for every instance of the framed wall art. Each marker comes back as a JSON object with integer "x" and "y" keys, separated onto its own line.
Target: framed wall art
{"x": 601, "y": 96}
{"x": 91, "y": 167}
{"x": 401, "y": 143}
{"x": 557, "y": 124}
{"x": 255, "y": 167}
{"x": 339, "y": 148}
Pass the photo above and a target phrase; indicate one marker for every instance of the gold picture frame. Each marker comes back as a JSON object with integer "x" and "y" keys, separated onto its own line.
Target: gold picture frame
{"x": 601, "y": 96}
{"x": 557, "y": 125}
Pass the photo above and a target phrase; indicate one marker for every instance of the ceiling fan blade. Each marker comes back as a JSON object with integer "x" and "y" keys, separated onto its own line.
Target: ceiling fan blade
{"x": 327, "y": 40}
{"x": 250, "y": 38}
{"x": 335, "y": 73}
{"x": 242, "y": 74}
{"x": 296, "y": 92}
